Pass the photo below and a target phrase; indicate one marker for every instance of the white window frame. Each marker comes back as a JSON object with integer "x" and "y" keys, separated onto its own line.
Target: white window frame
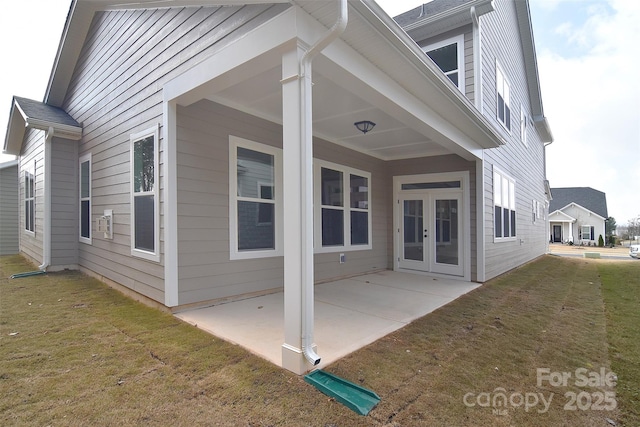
{"x": 459, "y": 41}
{"x": 141, "y": 253}
{"x": 499, "y": 194}
{"x": 30, "y": 176}
{"x": 588, "y": 227}
{"x": 234, "y": 253}
{"x": 346, "y": 208}
{"x": 84, "y": 159}
{"x": 503, "y": 89}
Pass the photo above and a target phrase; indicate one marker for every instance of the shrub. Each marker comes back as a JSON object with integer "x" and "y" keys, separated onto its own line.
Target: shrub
{"x": 600, "y": 241}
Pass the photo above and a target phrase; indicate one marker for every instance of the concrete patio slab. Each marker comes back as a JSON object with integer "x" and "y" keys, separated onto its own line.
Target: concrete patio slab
{"x": 349, "y": 313}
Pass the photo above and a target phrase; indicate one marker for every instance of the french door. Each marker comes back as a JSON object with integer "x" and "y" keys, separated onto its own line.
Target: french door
{"x": 430, "y": 237}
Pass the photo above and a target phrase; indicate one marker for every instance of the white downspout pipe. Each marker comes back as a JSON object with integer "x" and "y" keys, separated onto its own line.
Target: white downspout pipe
{"x": 306, "y": 162}
{"x": 46, "y": 232}
{"x": 477, "y": 60}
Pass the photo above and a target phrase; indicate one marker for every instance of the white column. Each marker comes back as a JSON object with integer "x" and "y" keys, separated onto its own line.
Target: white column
{"x": 170, "y": 206}
{"x": 570, "y": 231}
{"x": 298, "y": 212}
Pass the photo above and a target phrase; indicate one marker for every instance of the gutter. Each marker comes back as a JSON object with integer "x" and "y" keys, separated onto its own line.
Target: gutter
{"x": 46, "y": 233}
{"x": 306, "y": 161}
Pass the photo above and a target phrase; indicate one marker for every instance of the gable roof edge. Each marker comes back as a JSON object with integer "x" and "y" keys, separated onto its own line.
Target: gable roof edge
{"x": 531, "y": 69}
{"x": 582, "y": 207}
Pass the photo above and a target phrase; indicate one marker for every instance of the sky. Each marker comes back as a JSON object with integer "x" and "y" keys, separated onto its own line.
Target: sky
{"x": 587, "y": 61}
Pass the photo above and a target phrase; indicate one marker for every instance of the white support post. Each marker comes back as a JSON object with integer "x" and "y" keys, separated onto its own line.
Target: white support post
{"x": 294, "y": 207}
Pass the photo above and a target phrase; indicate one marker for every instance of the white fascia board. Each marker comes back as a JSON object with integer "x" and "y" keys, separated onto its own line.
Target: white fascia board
{"x": 449, "y": 19}
{"x": 559, "y": 213}
{"x": 542, "y": 126}
{"x": 590, "y": 212}
{"x": 8, "y": 164}
{"x": 61, "y": 131}
{"x": 156, "y": 4}
{"x": 15, "y": 131}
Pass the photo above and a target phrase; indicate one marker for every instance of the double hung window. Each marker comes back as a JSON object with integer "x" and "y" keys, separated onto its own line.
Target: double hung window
{"x": 29, "y": 201}
{"x": 85, "y": 198}
{"x": 503, "y": 90}
{"x": 504, "y": 206}
{"x": 343, "y": 213}
{"x": 144, "y": 194}
{"x": 255, "y": 199}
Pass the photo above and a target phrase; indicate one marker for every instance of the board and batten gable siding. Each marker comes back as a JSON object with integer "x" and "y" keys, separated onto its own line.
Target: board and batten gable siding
{"x": 440, "y": 164}
{"x": 9, "y": 219}
{"x": 205, "y": 269}
{"x": 524, "y": 163}
{"x": 64, "y": 203}
{"x": 116, "y": 91}
{"x": 32, "y": 155}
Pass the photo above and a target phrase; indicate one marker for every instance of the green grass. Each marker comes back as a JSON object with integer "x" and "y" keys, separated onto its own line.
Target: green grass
{"x": 621, "y": 291}
{"x": 86, "y": 355}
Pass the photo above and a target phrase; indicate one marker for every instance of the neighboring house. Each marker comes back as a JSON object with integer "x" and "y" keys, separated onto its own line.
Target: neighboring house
{"x": 577, "y": 215}
{"x": 177, "y": 155}
{"x": 9, "y": 237}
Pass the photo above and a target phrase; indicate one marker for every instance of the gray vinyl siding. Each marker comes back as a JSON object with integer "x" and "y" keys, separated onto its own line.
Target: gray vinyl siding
{"x": 501, "y": 42}
{"x": 64, "y": 203}
{"x": 440, "y": 164}
{"x": 116, "y": 90}
{"x": 9, "y": 220}
{"x": 32, "y": 153}
{"x": 205, "y": 270}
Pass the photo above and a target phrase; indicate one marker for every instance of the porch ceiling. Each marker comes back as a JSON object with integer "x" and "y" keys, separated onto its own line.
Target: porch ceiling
{"x": 335, "y": 110}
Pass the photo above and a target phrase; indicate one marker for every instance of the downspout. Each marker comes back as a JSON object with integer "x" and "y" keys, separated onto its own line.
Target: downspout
{"x": 477, "y": 60}
{"x": 46, "y": 232}
{"x": 480, "y": 183}
{"x": 306, "y": 162}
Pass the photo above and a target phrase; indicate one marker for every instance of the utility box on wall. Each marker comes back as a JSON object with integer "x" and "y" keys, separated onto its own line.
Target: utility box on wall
{"x": 105, "y": 224}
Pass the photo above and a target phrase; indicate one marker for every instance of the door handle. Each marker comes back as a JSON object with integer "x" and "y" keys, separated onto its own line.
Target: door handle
{"x": 426, "y": 234}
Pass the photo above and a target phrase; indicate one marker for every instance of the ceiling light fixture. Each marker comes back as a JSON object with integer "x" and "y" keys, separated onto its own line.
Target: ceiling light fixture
{"x": 364, "y": 126}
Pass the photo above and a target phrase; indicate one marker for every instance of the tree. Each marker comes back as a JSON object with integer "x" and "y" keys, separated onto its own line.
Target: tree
{"x": 610, "y": 226}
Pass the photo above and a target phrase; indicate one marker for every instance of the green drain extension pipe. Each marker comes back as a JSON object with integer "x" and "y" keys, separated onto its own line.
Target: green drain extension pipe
{"x": 28, "y": 274}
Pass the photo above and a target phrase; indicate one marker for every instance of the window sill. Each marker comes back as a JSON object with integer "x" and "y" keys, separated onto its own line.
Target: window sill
{"x": 504, "y": 239}
{"x": 150, "y": 256}
{"x": 335, "y": 249}
{"x": 233, "y": 256}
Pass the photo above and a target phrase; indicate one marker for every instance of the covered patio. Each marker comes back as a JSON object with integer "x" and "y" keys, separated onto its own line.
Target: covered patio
{"x": 349, "y": 313}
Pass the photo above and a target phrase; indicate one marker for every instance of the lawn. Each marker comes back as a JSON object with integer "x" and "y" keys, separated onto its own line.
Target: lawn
{"x": 75, "y": 352}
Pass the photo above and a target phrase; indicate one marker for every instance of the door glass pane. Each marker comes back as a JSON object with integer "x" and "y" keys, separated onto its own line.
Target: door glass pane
{"x": 413, "y": 230}
{"x": 446, "y": 232}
